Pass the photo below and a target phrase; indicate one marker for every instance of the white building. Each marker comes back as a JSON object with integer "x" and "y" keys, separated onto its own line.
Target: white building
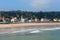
{"x": 44, "y": 20}
{"x": 29, "y": 20}
{"x": 13, "y": 20}
{"x": 22, "y": 19}
{"x": 55, "y": 19}
{"x": 36, "y": 20}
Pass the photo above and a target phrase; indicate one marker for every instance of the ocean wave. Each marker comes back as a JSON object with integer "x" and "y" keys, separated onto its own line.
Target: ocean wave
{"x": 35, "y": 31}
{"x": 31, "y": 30}
{"x": 47, "y": 29}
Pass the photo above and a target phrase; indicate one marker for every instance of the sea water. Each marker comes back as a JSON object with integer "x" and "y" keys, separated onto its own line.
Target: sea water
{"x": 31, "y": 33}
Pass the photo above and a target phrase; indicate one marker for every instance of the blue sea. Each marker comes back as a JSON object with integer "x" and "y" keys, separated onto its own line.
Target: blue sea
{"x": 31, "y": 33}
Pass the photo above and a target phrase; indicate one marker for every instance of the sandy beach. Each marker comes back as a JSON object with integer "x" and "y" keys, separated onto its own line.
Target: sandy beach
{"x": 28, "y": 24}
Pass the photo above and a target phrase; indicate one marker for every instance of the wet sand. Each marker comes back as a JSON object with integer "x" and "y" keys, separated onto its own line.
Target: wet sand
{"x": 28, "y": 24}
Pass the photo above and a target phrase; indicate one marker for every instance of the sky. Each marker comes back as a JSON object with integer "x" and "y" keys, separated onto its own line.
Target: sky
{"x": 30, "y": 5}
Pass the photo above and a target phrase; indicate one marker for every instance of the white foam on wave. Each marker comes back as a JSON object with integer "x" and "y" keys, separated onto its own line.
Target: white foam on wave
{"x": 22, "y": 31}
{"x": 44, "y": 29}
{"x": 17, "y": 31}
{"x": 35, "y": 31}
{"x": 54, "y": 28}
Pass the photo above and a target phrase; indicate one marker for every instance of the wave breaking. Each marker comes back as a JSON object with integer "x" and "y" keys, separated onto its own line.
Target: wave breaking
{"x": 29, "y": 30}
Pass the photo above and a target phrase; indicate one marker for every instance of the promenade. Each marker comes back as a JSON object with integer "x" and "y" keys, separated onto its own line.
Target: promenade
{"x": 28, "y": 25}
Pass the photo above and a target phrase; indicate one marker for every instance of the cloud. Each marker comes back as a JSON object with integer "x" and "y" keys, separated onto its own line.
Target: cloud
{"x": 40, "y": 3}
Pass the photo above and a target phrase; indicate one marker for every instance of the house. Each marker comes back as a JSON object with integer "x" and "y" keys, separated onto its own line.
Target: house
{"x": 2, "y": 19}
{"x": 14, "y": 19}
{"x": 29, "y": 20}
{"x": 59, "y": 20}
{"x": 22, "y": 19}
{"x": 44, "y": 20}
{"x": 33, "y": 20}
{"x": 36, "y": 19}
{"x": 55, "y": 19}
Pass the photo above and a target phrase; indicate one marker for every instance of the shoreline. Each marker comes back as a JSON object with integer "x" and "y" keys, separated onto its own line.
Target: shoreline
{"x": 28, "y": 25}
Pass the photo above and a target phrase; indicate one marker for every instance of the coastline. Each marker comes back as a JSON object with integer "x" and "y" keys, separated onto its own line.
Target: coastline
{"x": 28, "y": 24}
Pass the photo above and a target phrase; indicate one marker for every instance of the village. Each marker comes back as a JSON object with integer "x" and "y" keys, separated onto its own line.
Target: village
{"x": 27, "y": 20}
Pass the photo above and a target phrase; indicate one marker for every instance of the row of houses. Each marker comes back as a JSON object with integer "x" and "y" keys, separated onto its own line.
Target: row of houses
{"x": 22, "y": 20}
{"x": 35, "y": 20}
